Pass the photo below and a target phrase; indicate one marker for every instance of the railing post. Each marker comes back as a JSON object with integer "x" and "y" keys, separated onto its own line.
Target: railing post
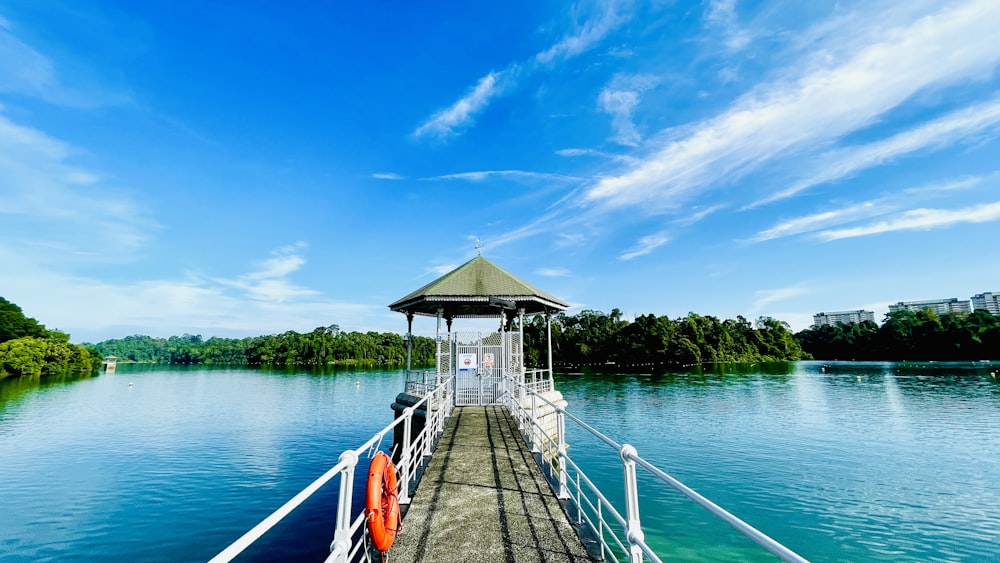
{"x": 561, "y": 431}
{"x": 404, "y": 460}
{"x": 428, "y": 424}
{"x": 634, "y": 533}
{"x": 342, "y": 533}
{"x": 534, "y": 427}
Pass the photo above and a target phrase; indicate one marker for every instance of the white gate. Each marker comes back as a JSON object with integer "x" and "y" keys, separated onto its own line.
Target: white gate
{"x": 479, "y": 365}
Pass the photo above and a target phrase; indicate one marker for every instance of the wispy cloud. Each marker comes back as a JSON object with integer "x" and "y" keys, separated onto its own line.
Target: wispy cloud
{"x": 481, "y": 175}
{"x": 453, "y": 119}
{"x": 721, "y": 14}
{"x": 260, "y": 302}
{"x": 619, "y": 99}
{"x": 765, "y": 297}
{"x": 553, "y": 272}
{"x": 864, "y": 210}
{"x": 612, "y": 13}
{"x": 815, "y": 221}
{"x": 449, "y": 120}
{"x": 645, "y": 245}
{"x": 442, "y": 269}
{"x": 919, "y": 219}
{"x": 958, "y": 126}
{"x": 832, "y": 96}
{"x": 27, "y": 71}
{"x": 45, "y": 206}
{"x": 698, "y": 214}
{"x": 270, "y": 283}
{"x": 564, "y": 240}
{"x": 387, "y": 176}
{"x": 575, "y": 152}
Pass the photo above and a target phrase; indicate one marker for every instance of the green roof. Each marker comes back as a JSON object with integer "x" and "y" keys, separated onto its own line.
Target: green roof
{"x": 466, "y": 292}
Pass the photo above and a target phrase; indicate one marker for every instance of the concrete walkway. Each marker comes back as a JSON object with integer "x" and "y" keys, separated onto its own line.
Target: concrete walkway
{"x": 483, "y": 498}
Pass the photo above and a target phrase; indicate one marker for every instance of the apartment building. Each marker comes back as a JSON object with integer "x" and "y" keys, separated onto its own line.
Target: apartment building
{"x": 843, "y": 317}
{"x": 939, "y": 306}
{"x": 989, "y": 301}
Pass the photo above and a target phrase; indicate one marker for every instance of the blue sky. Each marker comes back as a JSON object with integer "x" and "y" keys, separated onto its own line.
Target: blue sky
{"x": 246, "y": 168}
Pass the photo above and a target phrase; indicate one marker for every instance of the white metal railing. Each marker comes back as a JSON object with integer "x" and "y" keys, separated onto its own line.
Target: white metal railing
{"x": 539, "y": 380}
{"x": 437, "y": 404}
{"x": 421, "y": 382}
{"x": 617, "y": 534}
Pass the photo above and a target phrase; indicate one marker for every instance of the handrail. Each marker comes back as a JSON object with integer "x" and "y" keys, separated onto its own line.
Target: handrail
{"x": 341, "y": 550}
{"x": 630, "y": 522}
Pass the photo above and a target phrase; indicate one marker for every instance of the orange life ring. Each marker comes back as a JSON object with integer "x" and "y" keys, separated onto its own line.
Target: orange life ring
{"x": 382, "y": 502}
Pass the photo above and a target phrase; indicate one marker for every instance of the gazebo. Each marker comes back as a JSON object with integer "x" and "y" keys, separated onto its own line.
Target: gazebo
{"x": 479, "y": 289}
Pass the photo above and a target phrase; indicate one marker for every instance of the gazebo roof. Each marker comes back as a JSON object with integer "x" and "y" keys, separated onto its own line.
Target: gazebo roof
{"x": 478, "y": 288}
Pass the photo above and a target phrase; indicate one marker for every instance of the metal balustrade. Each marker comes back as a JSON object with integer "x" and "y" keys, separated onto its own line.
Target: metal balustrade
{"x": 413, "y": 455}
{"x": 617, "y": 530}
{"x": 618, "y": 535}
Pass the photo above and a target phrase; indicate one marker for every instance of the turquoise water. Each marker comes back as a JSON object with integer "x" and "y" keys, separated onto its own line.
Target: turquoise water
{"x": 841, "y": 462}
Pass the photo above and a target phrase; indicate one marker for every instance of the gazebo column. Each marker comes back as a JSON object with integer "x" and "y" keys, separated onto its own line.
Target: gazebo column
{"x": 409, "y": 342}
{"x": 520, "y": 343}
{"x": 548, "y": 331}
{"x": 448, "y": 322}
{"x": 437, "y": 338}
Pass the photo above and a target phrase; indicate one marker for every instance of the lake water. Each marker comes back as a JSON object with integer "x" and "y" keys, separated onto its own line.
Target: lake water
{"x": 839, "y": 461}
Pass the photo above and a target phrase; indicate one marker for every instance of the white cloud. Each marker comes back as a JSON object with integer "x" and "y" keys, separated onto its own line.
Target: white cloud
{"x": 765, "y": 297}
{"x": 698, "y": 215}
{"x": 460, "y": 114}
{"x": 387, "y": 176}
{"x": 569, "y": 239}
{"x": 838, "y": 91}
{"x": 919, "y": 219}
{"x": 645, "y": 245}
{"x": 612, "y": 14}
{"x": 722, "y": 14}
{"x": 443, "y": 269}
{"x": 574, "y": 152}
{"x": 24, "y": 70}
{"x": 445, "y": 122}
{"x": 480, "y": 175}
{"x": 958, "y": 126}
{"x": 865, "y": 210}
{"x": 269, "y": 283}
{"x": 619, "y": 99}
{"x": 61, "y": 209}
{"x": 248, "y": 305}
{"x": 553, "y": 272}
{"x": 821, "y": 220}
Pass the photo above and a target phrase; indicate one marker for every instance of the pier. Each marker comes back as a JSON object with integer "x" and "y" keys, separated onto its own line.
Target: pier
{"x": 483, "y": 498}
{"x": 482, "y": 469}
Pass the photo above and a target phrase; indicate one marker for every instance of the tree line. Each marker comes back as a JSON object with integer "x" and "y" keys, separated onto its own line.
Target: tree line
{"x": 908, "y": 335}
{"x": 323, "y": 346}
{"x": 28, "y": 349}
{"x": 596, "y": 338}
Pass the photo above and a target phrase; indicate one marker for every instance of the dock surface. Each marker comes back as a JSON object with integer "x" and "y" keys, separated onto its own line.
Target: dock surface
{"x": 483, "y": 498}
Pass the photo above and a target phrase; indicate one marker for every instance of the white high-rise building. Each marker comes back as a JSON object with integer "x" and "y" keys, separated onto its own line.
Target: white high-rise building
{"x": 939, "y": 306}
{"x": 989, "y": 301}
{"x": 843, "y": 317}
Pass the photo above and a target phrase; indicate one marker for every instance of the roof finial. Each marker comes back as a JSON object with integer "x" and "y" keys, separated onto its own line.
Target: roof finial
{"x": 479, "y": 246}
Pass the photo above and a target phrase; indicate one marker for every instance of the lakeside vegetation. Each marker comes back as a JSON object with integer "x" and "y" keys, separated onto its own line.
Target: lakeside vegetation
{"x": 29, "y": 350}
{"x": 589, "y": 338}
{"x": 907, "y": 335}
{"x": 323, "y": 346}
{"x": 597, "y": 338}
